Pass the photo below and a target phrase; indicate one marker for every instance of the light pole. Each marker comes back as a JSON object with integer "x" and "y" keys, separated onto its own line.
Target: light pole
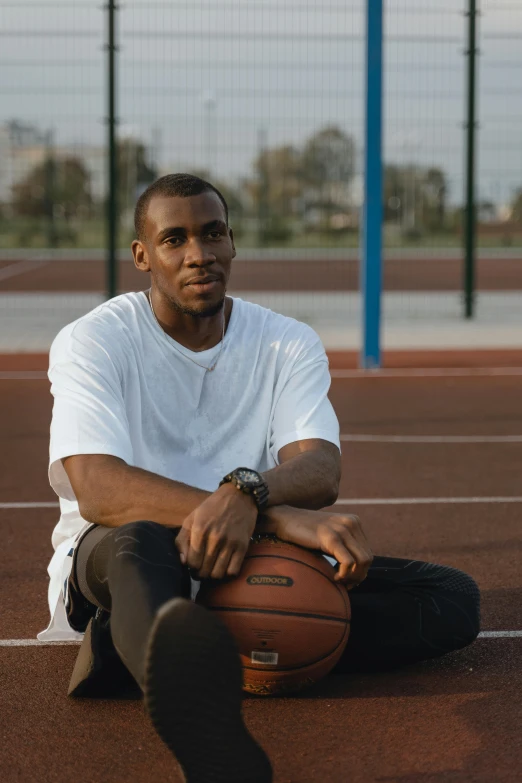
{"x": 210, "y": 104}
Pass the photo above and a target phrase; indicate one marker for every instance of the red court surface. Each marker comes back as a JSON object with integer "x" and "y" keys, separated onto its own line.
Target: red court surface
{"x": 423, "y": 495}
{"x": 407, "y": 274}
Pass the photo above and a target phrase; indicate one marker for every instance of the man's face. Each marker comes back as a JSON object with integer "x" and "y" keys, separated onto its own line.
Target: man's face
{"x": 188, "y": 249}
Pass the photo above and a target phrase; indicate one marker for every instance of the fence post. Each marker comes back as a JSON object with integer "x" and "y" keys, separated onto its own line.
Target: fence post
{"x": 112, "y": 201}
{"x": 371, "y": 272}
{"x": 470, "y": 212}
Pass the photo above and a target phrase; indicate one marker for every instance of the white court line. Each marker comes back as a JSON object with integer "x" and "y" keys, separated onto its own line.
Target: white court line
{"x": 23, "y": 375}
{"x": 29, "y": 505}
{"x": 34, "y": 643}
{"x": 345, "y": 502}
{"x": 21, "y": 267}
{"x": 363, "y": 438}
{"x": 428, "y": 372}
{"x": 426, "y": 501}
{"x": 37, "y": 643}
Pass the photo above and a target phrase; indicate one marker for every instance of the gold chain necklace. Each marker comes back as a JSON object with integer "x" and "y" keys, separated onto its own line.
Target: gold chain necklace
{"x": 203, "y": 366}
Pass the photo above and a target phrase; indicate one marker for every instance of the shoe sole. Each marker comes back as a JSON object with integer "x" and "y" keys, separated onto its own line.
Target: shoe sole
{"x": 193, "y": 693}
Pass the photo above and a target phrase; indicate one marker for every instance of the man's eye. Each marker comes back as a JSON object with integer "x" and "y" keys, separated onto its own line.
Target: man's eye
{"x": 172, "y": 240}
{"x": 214, "y": 234}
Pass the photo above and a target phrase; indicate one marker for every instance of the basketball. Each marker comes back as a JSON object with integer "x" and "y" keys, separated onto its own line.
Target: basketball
{"x": 291, "y": 621}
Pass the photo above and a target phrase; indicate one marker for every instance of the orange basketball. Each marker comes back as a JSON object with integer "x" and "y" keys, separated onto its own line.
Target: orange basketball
{"x": 291, "y": 621}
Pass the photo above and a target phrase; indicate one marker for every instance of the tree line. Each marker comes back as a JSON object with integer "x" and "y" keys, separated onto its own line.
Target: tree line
{"x": 310, "y": 188}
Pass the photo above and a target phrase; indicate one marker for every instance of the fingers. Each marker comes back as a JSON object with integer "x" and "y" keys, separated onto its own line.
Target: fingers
{"x": 215, "y": 532}
{"x": 212, "y": 552}
{"x": 344, "y": 538}
{"x": 215, "y": 545}
{"x": 236, "y": 561}
{"x": 182, "y": 543}
{"x": 228, "y": 562}
{"x": 355, "y": 541}
{"x": 333, "y": 543}
{"x": 196, "y": 548}
{"x": 222, "y": 563}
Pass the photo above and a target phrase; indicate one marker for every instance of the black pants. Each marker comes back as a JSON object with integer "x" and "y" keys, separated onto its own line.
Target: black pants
{"x": 405, "y": 610}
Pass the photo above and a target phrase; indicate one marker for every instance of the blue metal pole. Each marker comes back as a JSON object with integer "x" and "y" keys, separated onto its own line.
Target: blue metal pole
{"x": 371, "y": 272}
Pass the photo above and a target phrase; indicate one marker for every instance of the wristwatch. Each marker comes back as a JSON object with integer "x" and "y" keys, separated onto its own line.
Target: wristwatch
{"x": 251, "y": 483}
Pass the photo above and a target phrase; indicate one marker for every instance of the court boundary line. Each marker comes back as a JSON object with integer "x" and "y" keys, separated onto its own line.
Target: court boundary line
{"x": 484, "y": 635}
{"x": 341, "y": 502}
{"x": 428, "y": 372}
{"x": 425, "y": 501}
{"x": 21, "y": 267}
{"x": 43, "y": 504}
{"x": 374, "y": 438}
{"x": 355, "y": 374}
{"x": 23, "y": 375}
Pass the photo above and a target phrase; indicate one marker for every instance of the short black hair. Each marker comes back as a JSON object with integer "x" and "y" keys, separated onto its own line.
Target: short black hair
{"x": 182, "y": 185}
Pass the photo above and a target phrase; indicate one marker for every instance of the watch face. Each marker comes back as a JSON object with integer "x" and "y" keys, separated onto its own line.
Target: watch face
{"x": 248, "y": 476}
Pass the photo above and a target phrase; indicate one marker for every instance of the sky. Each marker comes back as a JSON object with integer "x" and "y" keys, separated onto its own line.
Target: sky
{"x": 202, "y": 81}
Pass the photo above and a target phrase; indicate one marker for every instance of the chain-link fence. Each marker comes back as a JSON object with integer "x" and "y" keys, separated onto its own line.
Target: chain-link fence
{"x": 266, "y": 100}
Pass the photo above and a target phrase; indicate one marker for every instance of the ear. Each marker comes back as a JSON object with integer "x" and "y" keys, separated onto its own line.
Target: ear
{"x": 231, "y": 235}
{"x": 139, "y": 253}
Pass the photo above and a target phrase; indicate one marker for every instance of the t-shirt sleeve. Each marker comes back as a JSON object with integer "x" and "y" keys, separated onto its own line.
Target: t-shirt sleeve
{"x": 89, "y": 414}
{"x": 302, "y": 409}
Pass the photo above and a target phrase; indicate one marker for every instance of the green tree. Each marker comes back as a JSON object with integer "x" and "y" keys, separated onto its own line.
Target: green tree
{"x": 393, "y": 193}
{"x": 327, "y": 170}
{"x": 275, "y": 193}
{"x": 328, "y": 159}
{"x": 134, "y": 172}
{"x": 434, "y": 192}
{"x": 415, "y": 197}
{"x": 516, "y": 207}
{"x": 60, "y": 186}
{"x": 278, "y": 181}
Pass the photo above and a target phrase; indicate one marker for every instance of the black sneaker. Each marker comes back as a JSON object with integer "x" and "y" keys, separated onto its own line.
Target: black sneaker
{"x": 193, "y": 693}
{"x": 98, "y": 670}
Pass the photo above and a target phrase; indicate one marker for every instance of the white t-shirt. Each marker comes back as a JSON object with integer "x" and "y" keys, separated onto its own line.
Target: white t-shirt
{"x": 123, "y": 387}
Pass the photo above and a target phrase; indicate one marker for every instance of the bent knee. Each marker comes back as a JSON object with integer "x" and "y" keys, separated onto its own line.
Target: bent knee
{"x": 141, "y": 524}
{"x": 460, "y": 603}
{"x": 144, "y": 530}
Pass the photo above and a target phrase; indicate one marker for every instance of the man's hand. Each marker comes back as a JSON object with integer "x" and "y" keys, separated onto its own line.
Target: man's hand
{"x": 214, "y": 538}
{"x": 339, "y": 535}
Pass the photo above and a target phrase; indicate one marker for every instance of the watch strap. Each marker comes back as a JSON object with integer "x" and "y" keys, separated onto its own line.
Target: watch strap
{"x": 259, "y": 493}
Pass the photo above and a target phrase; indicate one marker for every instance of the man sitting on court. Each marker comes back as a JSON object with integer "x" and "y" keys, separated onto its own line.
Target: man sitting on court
{"x": 183, "y": 421}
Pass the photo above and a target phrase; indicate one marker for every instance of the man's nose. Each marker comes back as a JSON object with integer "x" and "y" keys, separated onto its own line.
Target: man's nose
{"x": 197, "y": 254}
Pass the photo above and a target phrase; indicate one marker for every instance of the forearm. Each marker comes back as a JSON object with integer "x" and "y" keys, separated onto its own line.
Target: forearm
{"x": 123, "y": 494}
{"x": 309, "y": 480}
{"x": 272, "y": 520}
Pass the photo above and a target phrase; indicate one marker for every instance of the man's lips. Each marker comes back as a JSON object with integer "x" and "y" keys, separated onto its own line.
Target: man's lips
{"x": 203, "y": 284}
{"x": 201, "y": 280}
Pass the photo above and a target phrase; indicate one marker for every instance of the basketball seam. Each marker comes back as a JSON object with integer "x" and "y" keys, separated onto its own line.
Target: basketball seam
{"x": 280, "y": 612}
{"x": 341, "y": 589}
